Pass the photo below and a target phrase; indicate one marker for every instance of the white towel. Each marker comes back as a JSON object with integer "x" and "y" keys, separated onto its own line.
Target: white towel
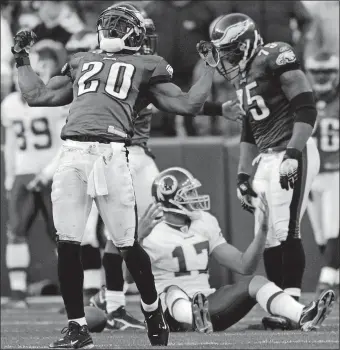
{"x": 96, "y": 185}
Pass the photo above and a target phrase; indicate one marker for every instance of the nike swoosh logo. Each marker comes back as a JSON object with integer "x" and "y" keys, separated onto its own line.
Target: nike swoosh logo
{"x": 110, "y": 322}
{"x": 74, "y": 342}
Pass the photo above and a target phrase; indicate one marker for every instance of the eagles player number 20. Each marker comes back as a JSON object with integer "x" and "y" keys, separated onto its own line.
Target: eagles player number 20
{"x": 118, "y": 83}
{"x": 257, "y": 100}
{"x": 39, "y": 127}
{"x": 179, "y": 253}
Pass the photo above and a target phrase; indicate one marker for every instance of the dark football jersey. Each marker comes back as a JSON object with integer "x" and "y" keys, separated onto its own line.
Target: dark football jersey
{"x": 268, "y": 122}
{"x": 326, "y": 134}
{"x": 105, "y": 90}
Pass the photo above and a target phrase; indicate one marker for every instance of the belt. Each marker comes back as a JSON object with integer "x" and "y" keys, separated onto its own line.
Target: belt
{"x": 275, "y": 149}
{"x": 88, "y": 138}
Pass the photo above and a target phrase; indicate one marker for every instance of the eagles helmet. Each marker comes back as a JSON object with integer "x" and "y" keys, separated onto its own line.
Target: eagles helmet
{"x": 236, "y": 39}
{"x": 323, "y": 73}
{"x": 176, "y": 189}
{"x": 149, "y": 46}
{"x": 120, "y": 28}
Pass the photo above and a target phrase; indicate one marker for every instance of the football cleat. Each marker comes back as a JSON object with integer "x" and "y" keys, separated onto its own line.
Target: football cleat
{"x": 16, "y": 301}
{"x": 279, "y": 322}
{"x": 121, "y": 320}
{"x": 157, "y": 328}
{"x": 316, "y": 312}
{"x": 320, "y": 288}
{"x": 200, "y": 314}
{"x": 76, "y": 337}
{"x": 98, "y": 300}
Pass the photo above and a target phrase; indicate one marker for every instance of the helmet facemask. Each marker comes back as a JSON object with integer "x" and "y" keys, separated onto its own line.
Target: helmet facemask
{"x": 118, "y": 31}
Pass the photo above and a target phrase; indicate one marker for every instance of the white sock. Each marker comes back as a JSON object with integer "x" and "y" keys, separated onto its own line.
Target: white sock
{"x": 92, "y": 279}
{"x": 18, "y": 260}
{"x": 273, "y": 300}
{"x": 151, "y": 307}
{"x": 337, "y": 277}
{"x": 328, "y": 275}
{"x": 181, "y": 311}
{"x": 114, "y": 300}
{"x": 81, "y": 321}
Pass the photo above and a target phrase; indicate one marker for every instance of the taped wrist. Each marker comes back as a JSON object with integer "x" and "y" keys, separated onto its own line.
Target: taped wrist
{"x": 242, "y": 177}
{"x": 22, "y": 61}
{"x": 212, "y": 108}
{"x": 303, "y": 106}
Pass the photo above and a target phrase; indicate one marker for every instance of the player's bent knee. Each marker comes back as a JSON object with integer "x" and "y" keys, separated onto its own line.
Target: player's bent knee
{"x": 256, "y": 283}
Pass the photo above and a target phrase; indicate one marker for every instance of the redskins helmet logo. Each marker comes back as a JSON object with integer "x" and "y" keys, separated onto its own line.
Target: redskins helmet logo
{"x": 167, "y": 185}
{"x": 233, "y": 32}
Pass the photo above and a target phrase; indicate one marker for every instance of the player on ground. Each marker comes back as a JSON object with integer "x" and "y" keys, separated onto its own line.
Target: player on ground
{"x": 180, "y": 247}
{"x": 279, "y": 118}
{"x": 104, "y": 87}
{"x": 323, "y": 204}
{"x": 32, "y": 140}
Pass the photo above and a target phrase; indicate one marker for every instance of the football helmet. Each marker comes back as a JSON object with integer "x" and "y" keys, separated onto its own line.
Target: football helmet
{"x": 176, "y": 189}
{"x": 236, "y": 39}
{"x": 323, "y": 73}
{"x": 121, "y": 28}
{"x": 149, "y": 46}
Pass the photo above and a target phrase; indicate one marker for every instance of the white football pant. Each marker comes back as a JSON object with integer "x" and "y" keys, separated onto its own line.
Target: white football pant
{"x": 286, "y": 208}
{"x": 323, "y": 207}
{"x": 90, "y": 171}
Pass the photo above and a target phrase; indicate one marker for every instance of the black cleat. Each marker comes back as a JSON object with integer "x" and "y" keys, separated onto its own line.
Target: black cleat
{"x": 158, "y": 329}
{"x": 121, "y": 320}
{"x": 316, "y": 312}
{"x": 76, "y": 337}
{"x": 98, "y": 300}
{"x": 200, "y": 314}
{"x": 17, "y": 301}
{"x": 279, "y": 322}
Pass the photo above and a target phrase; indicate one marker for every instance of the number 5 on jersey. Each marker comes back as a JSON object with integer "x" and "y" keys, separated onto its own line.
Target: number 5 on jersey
{"x": 118, "y": 82}
{"x": 257, "y": 101}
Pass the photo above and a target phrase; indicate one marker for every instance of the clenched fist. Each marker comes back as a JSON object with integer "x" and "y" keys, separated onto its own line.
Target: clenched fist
{"x": 23, "y": 41}
{"x": 208, "y": 53}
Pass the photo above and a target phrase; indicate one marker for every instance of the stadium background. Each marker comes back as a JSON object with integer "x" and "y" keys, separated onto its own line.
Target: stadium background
{"x": 306, "y": 25}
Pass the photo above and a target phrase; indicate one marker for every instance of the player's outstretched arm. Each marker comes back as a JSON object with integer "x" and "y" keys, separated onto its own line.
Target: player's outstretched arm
{"x": 299, "y": 93}
{"x": 57, "y": 92}
{"x": 168, "y": 97}
{"x": 247, "y": 262}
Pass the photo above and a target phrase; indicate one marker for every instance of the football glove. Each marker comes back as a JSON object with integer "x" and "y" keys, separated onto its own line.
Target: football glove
{"x": 208, "y": 53}
{"x": 23, "y": 41}
{"x": 289, "y": 168}
{"x": 39, "y": 182}
{"x": 245, "y": 192}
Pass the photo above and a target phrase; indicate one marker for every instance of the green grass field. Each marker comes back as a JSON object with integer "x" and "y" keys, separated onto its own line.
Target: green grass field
{"x": 41, "y": 324}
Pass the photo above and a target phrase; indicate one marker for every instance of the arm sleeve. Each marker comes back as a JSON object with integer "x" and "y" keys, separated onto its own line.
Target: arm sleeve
{"x": 247, "y": 133}
{"x": 162, "y": 73}
{"x": 281, "y": 58}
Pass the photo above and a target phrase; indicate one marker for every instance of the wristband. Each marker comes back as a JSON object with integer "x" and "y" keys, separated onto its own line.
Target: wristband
{"x": 212, "y": 108}
{"x": 22, "y": 61}
{"x": 242, "y": 177}
{"x": 293, "y": 153}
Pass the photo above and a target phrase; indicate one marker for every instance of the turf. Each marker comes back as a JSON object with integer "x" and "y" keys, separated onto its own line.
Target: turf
{"x": 41, "y": 324}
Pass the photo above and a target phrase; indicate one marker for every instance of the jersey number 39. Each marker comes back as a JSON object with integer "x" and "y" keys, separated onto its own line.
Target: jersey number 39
{"x": 118, "y": 82}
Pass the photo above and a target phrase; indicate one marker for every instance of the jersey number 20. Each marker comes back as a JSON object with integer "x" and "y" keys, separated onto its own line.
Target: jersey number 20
{"x": 118, "y": 82}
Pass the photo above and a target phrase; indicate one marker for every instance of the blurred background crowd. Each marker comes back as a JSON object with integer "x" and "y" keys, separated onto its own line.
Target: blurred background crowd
{"x": 307, "y": 25}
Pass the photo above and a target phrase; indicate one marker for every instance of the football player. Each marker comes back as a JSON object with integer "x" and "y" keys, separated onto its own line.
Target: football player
{"x": 103, "y": 88}
{"x": 323, "y": 204}
{"x": 32, "y": 140}
{"x": 280, "y": 114}
{"x": 180, "y": 246}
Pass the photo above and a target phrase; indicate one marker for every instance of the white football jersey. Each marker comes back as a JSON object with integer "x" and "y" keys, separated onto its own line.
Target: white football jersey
{"x": 181, "y": 257}
{"x": 37, "y": 130}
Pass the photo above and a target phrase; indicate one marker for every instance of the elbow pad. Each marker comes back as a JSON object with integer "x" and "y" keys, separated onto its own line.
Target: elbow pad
{"x": 303, "y": 106}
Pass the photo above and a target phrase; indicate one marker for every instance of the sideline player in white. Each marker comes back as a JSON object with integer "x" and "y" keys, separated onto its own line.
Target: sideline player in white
{"x": 32, "y": 140}
{"x": 179, "y": 248}
{"x": 323, "y": 204}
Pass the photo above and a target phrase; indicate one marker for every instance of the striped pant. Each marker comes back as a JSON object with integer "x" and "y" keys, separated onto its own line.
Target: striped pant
{"x": 286, "y": 208}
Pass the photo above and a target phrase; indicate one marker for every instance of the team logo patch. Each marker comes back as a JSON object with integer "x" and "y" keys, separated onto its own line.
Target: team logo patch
{"x": 284, "y": 48}
{"x": 233, "y": 32}
{"x": 167, "y": 185}
{"x": 170, "y": 70}
{"x": 286, "y": 57}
